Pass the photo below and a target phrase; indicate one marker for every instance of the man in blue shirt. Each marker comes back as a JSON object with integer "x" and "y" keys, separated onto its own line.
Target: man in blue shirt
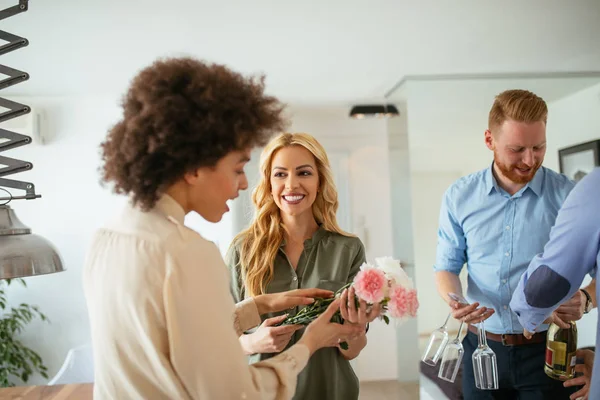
{"x": 496, "y": 220}
{"x": 572, "y": 252}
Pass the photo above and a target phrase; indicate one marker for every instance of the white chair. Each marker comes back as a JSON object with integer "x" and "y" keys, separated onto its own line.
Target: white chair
{"x": 77, "y": 368}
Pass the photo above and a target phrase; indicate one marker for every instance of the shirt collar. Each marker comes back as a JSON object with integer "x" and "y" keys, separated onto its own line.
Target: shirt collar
{"x": 171, "y": 208}
{"x": 490, "y": 180}
{"x": 316, "y": 238}
{"x": 535, "y": 184}
{"x": 310, "y": 242}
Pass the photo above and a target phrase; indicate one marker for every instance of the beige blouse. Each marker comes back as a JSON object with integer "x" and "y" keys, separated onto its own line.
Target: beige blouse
{"x": 164, "y": 325}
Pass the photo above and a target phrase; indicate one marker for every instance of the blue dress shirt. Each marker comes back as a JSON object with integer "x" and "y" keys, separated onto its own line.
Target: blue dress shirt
{"x": 497, "y": 235}
{"x": 572, "y": 252}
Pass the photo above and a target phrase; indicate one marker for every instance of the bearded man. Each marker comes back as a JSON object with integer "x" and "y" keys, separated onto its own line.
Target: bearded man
{"x": 495, "y": 221}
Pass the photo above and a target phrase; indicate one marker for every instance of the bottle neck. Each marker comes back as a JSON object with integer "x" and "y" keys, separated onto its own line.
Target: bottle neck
{"x": 571, "y": 325}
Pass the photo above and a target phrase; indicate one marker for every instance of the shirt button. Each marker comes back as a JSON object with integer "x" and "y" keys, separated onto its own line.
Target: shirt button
{"x": 507, "y": 254}
{"x": 506, "y": 307}
{"x": 503, "y": 280}
{"x": 508, "y": 227}
{"x": 295, "y": 278}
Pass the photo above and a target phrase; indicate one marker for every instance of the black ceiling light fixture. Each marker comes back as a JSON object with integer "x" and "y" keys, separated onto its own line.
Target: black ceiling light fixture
{"x": 374, "y": 110}
{"x": 22, "y": 253}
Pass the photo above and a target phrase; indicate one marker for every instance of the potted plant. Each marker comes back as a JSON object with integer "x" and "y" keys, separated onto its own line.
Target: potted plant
{"x": 17, "y": 361}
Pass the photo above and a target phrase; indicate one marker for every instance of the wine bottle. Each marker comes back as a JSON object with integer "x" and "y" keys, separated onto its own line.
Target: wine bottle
{"x": 561, "y": 346}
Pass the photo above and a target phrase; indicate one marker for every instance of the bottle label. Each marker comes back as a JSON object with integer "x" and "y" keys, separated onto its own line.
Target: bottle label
{"x": 558, "y": 359}
{"x": 556, "y": 355}
{"x": 571, "y": 366}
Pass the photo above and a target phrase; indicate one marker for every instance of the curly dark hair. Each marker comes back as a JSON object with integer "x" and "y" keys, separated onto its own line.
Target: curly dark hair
{"x": 181, "y": 114}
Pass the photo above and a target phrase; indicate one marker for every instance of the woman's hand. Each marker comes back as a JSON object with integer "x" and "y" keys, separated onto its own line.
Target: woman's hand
{"x": 269, "y": 338}
{"x": 361, "y": 315}
{"x": 275, "y": 302}
{"x": 586, "y": 369}
{"x": 324, "y": 333}
{"x": 358, "y": 316}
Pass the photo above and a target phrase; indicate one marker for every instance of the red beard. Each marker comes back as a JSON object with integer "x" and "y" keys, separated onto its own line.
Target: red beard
{"x": 510, "y": 172}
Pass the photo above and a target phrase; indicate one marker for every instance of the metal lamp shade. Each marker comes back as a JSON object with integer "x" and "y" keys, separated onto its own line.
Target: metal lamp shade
{"x": 23, "y": 253}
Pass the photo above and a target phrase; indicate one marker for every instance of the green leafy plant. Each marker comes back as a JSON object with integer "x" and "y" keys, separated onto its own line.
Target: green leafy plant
{"x": 17, "y": 360}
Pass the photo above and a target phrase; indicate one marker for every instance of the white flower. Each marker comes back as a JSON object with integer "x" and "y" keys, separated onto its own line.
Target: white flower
{"x": 366, "y": 265}
{"x": 394, "y": 271}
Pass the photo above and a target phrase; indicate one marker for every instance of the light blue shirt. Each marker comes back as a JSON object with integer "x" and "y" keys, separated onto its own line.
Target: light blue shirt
{"x": 572, "y": 252}
{"x": 497, "y": 235}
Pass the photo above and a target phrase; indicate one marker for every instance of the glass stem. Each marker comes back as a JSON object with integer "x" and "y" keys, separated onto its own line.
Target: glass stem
{"x": 481, "y": 334}
{"x": 446, "y": 321}
{"x": 459, "y": 330}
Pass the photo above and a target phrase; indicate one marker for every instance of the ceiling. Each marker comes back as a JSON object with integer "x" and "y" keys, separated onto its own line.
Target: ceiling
{"x": 313, "y": 52}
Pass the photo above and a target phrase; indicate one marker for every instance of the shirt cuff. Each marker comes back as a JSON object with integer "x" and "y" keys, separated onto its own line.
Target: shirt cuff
{"x": 246, "y": 316}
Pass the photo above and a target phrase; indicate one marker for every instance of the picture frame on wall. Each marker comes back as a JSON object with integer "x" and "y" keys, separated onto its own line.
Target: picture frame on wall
{"x": 579, "y": 160}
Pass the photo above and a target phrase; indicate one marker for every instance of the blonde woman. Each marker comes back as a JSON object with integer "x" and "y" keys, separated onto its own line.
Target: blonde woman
{"x": 295, "y": 242}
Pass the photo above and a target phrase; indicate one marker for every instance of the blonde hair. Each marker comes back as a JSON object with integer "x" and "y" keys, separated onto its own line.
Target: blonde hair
{"x": 262, "y": 239}
{"x": 517, "y": 105}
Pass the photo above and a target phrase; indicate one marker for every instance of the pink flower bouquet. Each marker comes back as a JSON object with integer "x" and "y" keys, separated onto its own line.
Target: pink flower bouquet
{"x": 385, "y": 282}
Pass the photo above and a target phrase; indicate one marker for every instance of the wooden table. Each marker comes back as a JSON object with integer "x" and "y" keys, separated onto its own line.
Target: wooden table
{"x": 79, "y": 391}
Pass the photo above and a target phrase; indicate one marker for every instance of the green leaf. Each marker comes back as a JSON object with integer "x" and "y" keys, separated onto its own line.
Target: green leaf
{"x": 386, "y": 319}
{"x": 17, "y": 361}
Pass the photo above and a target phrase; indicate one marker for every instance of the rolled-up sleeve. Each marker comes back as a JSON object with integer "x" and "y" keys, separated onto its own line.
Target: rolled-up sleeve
{"x": 572, "y": 252}
{"x": 451, "y": 245}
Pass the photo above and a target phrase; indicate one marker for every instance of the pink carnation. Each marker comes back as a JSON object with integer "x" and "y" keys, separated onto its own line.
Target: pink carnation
{"x": 370, "y": 285}
{"x": 402, "y": 302}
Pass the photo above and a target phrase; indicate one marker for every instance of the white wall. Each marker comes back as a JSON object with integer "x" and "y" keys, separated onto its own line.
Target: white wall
{"x": 402, "y": 235}
{"x": 74, "y": 205}
{"x": 573, "y": 120}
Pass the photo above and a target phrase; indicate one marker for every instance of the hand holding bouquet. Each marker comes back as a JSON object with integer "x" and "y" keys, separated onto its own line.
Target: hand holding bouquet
{"x": 384, "y": 284}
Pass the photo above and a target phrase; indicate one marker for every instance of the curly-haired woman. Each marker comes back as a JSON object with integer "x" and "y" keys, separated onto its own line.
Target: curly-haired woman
{"x": 163, "y": 323}
{"x": 295, "y": 242}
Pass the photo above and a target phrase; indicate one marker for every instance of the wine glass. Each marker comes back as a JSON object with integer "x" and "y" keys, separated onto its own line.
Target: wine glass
{"x": 453, "y": 354}
{"x": 436, "y": 345}
{"x": 485, "y": 366}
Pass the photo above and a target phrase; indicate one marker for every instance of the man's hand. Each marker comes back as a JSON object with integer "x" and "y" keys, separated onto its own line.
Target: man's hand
{"x": 572, "y": 309}
{"x": 527, "y": 334}
{"x": 469, "y": 313}
{"x": 553, "y": 318}
{"x": 586, "y": 370}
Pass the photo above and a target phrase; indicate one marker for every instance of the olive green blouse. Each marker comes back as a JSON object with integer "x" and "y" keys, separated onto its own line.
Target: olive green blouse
{"x": 329, "y": 261}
